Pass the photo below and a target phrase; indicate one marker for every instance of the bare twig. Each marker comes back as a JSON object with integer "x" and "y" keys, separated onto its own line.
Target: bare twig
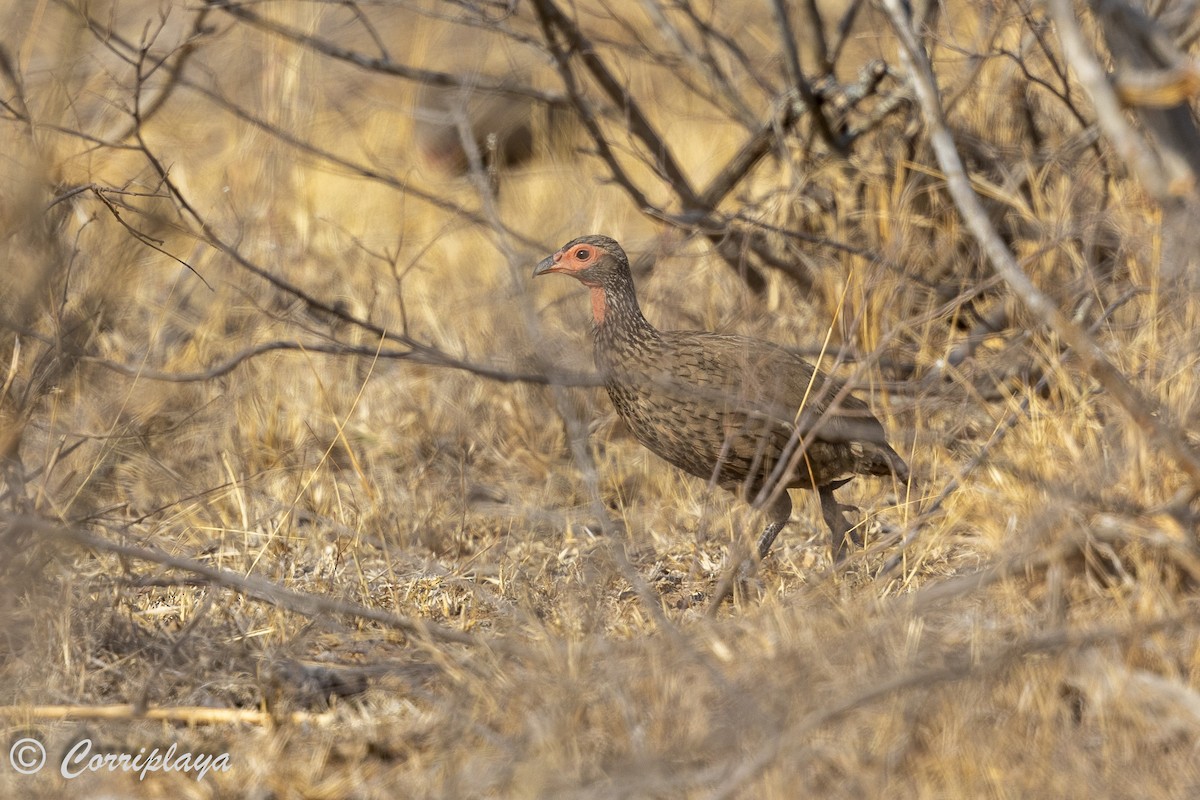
{"x": 186, "y": 715}
{"x": 590, "y": 121}
{"x": 1161, "y": 82}
{"x": 427, "y": 355}
{"x": 694, "y": 207}
{"x": 812, "y": 100}
{"x": 639, "y": 125}
{"x": 355, "y": 167}
{"x": 1129, "y": 144}
{"x": 700, "y": 60}
{"x": 144, "y": 238}
{"x": 209, "y": 234}
{"x": 384, "y": 65}
{"x": 844, "y": 26}
{"x": 750, "y": 153}
{"x": 956, "y": 668}
{"x": 255, "y": 586}
{"x": 1005, "y": 427}
{"x": 1140, "y": 408}
{"x": 178, "y": 60}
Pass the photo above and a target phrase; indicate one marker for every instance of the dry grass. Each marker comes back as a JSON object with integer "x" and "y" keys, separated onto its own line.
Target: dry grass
{"x": 1038, "y": 639}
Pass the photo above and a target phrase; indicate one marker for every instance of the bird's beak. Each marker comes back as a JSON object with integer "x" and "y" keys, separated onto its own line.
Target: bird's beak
{"x": 547, "y": 264}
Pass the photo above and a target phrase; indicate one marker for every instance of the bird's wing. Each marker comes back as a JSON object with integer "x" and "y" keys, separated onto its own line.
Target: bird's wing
{"x": 762, "y": 381}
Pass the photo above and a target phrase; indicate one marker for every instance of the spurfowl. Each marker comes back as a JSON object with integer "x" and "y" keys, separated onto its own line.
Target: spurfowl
{"x": 731, "y": 409}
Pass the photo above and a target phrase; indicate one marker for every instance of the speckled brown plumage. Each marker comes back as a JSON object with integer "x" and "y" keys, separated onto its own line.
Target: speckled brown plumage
{"x": 722, "y": 407}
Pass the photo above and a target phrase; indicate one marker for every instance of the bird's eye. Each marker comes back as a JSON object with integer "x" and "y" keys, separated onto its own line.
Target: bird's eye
{"x": 582, "y": 254}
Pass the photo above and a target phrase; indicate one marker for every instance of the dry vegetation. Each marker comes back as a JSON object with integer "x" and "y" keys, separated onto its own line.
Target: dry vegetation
{"x": 393, "y": 558}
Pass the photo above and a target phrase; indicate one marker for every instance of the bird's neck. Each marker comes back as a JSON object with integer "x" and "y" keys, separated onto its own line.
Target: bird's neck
{"x": 617, "y": 315}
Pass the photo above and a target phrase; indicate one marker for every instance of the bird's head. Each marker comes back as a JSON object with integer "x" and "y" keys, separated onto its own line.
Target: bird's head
{"x": 595, "y": 261}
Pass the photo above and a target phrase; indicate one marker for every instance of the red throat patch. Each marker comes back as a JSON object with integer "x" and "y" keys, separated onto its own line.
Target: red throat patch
{"x": 598, "y": 304}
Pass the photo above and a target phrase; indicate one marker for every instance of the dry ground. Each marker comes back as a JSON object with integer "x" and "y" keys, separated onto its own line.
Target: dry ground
{"x": 514, "y": 621}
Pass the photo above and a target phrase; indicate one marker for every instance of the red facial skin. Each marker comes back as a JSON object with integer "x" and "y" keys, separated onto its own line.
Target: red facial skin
{"x": 574, "y": 261}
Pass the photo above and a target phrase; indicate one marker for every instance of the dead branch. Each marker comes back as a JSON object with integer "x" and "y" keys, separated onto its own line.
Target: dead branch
{"x": 554, "y": 23}
{"x": 174, "y": 64}
{"x": 1141, "y": 409}
{"x": 1128, "y": 143}
{"x": 1006, "y": 426}
{"x": 186, "y": 715}
{"x": 1164, "y": 81}
{"x": 813, "y": 36}
{"x": 701, "y": 60}
{"x": 256, "y": 587}
{"x": 429, "y": 356}
{"x": 384, "y": 65}
{"x": 639, "y": 125}
{"x": 955, "y": 669}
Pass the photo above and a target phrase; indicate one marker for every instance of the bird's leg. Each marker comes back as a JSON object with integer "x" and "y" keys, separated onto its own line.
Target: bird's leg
{"x": 840, "y": 535}
{"x": 780, "y": 512}
{"x": 742, "y": 567}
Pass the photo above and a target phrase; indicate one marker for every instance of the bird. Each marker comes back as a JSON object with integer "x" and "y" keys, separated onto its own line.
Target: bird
{"x": 744, "y": 413}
